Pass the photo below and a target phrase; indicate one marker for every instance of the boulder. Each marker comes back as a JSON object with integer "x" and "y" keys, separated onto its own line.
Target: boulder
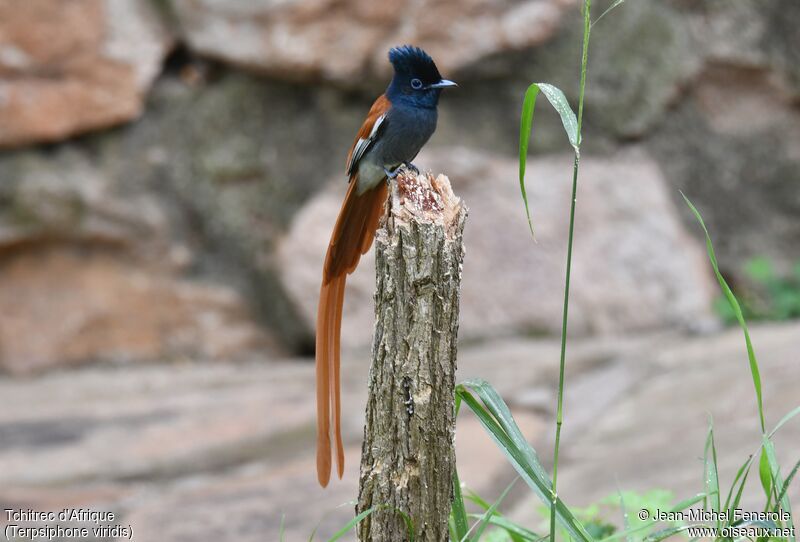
{"x": 90, "y": 271}
{"x": 71, "y": 67}
{"x": 343, "y": 41}
{"x": 635, "y": 268}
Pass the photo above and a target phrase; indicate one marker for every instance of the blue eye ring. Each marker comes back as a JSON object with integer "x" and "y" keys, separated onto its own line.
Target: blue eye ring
{"x": 416, "y": 84}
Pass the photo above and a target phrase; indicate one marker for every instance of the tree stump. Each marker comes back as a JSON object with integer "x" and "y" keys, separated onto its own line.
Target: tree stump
{"x": 407, "y": 459}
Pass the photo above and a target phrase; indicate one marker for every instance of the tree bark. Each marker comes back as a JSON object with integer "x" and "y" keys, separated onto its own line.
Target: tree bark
{"x": 407, "y": 459}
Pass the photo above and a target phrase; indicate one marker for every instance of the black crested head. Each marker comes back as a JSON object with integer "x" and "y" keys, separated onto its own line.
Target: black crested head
{"x": 417, "y": 81}
{"x": 414, "y": 62}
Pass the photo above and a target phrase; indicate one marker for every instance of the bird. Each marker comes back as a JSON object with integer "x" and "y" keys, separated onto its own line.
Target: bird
{"x": 398, "y": 124}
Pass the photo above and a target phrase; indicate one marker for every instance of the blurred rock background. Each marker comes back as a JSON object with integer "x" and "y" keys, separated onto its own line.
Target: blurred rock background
{"x": 171, "y": 168}
{"x": 170, "y": 171}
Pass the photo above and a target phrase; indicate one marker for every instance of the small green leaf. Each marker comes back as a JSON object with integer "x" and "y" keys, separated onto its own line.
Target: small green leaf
{"x": 561, "y": 105}
{"x": 525, "y": 126}
{"x": 559, "y": 102}
{"x": 711, "y": 473}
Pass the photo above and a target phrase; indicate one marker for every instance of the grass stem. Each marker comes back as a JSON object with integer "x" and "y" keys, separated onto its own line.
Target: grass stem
{"x": 587, "y": 25}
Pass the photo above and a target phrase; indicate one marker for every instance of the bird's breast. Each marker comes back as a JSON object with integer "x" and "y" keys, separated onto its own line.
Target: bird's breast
{"x": 406, "y": 131}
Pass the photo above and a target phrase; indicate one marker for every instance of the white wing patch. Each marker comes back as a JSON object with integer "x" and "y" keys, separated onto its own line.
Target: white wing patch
{"x": 363, "y": 144}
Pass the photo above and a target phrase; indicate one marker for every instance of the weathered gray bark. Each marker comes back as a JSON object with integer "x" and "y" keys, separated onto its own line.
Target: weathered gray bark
{"x": 407, "y": 460}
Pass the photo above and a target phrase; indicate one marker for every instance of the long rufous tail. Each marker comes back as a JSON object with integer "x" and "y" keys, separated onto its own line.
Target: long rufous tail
{"x": 352, "y": 236}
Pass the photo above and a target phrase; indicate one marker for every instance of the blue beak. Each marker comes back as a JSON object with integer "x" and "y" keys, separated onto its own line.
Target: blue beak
{"x": 443, "y": 84}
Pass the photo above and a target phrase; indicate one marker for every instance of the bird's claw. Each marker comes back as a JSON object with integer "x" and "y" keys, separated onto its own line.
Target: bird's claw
{"x": 412, "y": 167}
{"x": 391, "y": 174}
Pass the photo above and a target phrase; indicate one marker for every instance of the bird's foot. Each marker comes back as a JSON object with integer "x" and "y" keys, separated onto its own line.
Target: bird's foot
{"x": 391, "y": 173}
{"x": 411, "y": 167}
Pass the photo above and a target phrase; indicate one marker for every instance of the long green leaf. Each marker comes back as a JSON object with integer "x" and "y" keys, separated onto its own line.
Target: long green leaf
{"x": 568, "y": 120}
{"x": 737, "y": 310}
{"x": 458, "y": 512}
{"x": 496, "y": 418}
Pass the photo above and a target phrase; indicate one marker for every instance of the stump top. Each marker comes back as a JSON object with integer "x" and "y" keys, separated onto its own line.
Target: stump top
{"x": 424, "y": 198}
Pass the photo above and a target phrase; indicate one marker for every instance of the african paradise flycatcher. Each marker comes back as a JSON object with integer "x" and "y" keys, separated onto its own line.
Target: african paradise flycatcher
{"x": 398, "y": 124}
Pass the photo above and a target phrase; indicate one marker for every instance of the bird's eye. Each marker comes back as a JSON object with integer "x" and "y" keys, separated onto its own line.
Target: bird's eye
{"x": 416, "y": 84}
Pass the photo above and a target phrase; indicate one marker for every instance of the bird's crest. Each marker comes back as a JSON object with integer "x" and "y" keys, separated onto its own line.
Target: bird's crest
{"x": 410, "y": 60}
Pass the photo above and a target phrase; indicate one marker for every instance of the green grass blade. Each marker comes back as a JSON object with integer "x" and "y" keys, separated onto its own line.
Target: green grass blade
{"x": 484, "y": 521}
{"x": 559, "y": 102}
{"x": 626, "y": 524}
{"x": 765, "y": 475}
{"x": 735, "y": 504}
{"x": 788, "y": 481}
{"x": 785, "y": 419}
{"x": 754, "y": 370}
{"x": 611, "y": 7}
{"x": 525, "y": 127}
{"x": 561, "y": 105}
{"x": 498, "y": 408}
{"x": 769, "y": 451}
{"x": 458, "y": 512}
{"x": 477, "y": 499}
{"x": 281, "y": 529}
{"x": 516, "y": 532}
{"x": 743, "y": 470}
{"x": 711, "y": 474}
{"x": 501, "y": 427}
